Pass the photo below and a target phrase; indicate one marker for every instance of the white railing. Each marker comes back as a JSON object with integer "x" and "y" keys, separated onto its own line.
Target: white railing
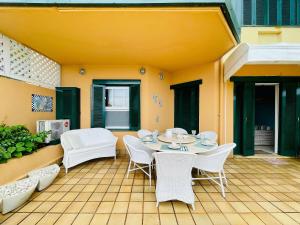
{"x": 22, "y": 63}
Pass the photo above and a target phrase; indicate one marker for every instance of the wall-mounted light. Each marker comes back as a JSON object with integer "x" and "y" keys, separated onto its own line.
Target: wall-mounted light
{"x": 142, "y": 70}
{"x": 82, "y": 71}
{"x": 161, "y": 75}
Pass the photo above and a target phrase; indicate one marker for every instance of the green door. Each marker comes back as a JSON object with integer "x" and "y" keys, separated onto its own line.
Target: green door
{"x": 68, "y": 105}
{"x": 244, "y": 118}
{"x": 248, "y": 119}
{"x": 289, "y": 119}
{"x": 298, "y": 119}
{"x": 186, "y": 106}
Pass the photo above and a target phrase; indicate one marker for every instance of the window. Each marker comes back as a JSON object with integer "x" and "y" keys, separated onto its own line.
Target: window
{"x": 117, "y": 108}
{"x": 271, "y": 12}
{"x": 116, "y": 104}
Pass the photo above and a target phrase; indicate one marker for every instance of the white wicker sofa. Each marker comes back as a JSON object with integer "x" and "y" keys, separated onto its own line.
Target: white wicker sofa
{"x": 86, "y": 144}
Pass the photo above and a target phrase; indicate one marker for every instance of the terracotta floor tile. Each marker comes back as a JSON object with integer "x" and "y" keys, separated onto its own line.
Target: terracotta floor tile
{"x": 210, "y": 207}
{"x": 267, "y": 218}
{"x": 120, "y": 207}
{"x": 240, "y": 207}
{"x": 150, "y": 207}
{"x": 269, "y": 207}
{"x": 15, "y": 219}
{"x": 295, "y": 216}
{"x": 168, "y": 219}
{"x": 166, "y": 207}
{"x": 60, "y": 207}
{"x": 123, "y": 197}
{"x": 117, "y": 219}
{"x": 218, "y": 218}
{"x": 185, "y": 219}
{"x": 180, "y": 207}
{"x": 225, "y": 207}
{"x": 105, "y": 207}
{"x": 235, "y": 219}
{"x": 45, "y": 207}
{"x": 100, "y": 219}
{"x": 66, "y": 219}
{"x": 284, "y": 219}
{"x": 150, "y": 219}
{"x": 135, "y": 207}
{"x": 134, "y": 219}
{"x": 32, "y": 218}
{"x": 251, "y": 219}
{"x": 49, "y": 219}
{"x": 202, "y": 219}
{"x": 83, "y": 219}
{"x": 30, "y": 207}
{"x": 75, "y": 207}
{"x": 90, "y": 207}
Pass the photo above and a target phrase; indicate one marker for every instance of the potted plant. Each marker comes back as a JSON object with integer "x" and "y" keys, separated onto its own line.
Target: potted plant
{"x": 17, "y": 140}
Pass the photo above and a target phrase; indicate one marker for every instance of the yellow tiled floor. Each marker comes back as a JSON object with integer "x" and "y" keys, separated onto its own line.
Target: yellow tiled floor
{"x": 260, "y": 191}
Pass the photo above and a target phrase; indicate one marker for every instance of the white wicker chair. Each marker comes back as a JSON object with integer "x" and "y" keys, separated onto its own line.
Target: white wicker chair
{"x": 210, "y": 135}
{"x": 174, "y": 178}
{"x": 178, "y": 130}
{"x": 139, "y": 154}
{"x": 143, "y": 133}
{"x": 214, "y": 163}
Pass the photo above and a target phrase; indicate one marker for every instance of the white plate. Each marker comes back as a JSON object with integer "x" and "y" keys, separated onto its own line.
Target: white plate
{"x": 174, "y": 147}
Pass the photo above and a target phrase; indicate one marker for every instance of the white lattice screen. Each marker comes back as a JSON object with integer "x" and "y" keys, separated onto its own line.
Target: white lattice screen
{"x": 22, "y": 63}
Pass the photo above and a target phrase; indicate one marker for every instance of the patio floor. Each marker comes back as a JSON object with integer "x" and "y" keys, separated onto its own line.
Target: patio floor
{"x": 261, "y": 191}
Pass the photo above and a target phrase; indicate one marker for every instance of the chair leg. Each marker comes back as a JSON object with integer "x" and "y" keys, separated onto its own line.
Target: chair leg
{"x": 193, "y": 206}
{"x": 198, "y": 172}
{"x": 224, "y": 177}
{"x": 128, "y": 168}
{"x": 150, "y": 174}
{"x": 157, "y": 204}
{"x": 66, "y": 169}
{"x": 221, "y": 184}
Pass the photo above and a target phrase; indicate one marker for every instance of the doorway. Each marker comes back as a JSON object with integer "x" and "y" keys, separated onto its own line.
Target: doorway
{"x": 186, "y": 105}
{"x": 266, "y": 118}
{"x": 276, "y": 104}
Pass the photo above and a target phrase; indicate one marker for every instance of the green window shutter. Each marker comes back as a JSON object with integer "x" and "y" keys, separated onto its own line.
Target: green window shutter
{"x": 285, "y": 12}
{"x": 134, "y": 107}
{"x": 260, "y": 12}
{"x": 247, "y": 12}
{"x": 98, "y": 106}
{"x": 272, "y": 12}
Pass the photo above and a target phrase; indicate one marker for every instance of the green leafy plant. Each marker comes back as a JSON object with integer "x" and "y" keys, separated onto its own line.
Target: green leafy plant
{"x": 16, "y": 141}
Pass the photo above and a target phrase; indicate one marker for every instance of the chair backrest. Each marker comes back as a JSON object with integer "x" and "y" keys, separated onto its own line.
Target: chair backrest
{"x": 136, "y": 150}
{"x": 143, "y": 133}
{"x": 178, "y": 130}
{"x": 174, "y": 164}
{"x": 174, "y": 176}
{"x": 214, "y": 162}
{"x": 211, "y": 135}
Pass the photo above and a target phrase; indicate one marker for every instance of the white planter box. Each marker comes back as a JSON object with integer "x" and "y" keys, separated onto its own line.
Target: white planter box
{"x": 45, "y": 176}
{"x": 15, "y": 194}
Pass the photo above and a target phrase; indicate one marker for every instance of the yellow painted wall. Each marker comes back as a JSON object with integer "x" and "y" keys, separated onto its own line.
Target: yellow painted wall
{"x": 209, "y": 92}
{"x": 150, "y": 85}
{"x": 15, "y": 98}
{"x": 269, "y": 35}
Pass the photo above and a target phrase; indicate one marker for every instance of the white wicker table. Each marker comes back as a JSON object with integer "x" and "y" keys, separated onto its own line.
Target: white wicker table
{"x": 194, "y": 146}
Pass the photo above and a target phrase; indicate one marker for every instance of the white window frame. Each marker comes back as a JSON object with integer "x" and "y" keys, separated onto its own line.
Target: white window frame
{"x": 113, "y": 108}
{"x": 119, "y": 109}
